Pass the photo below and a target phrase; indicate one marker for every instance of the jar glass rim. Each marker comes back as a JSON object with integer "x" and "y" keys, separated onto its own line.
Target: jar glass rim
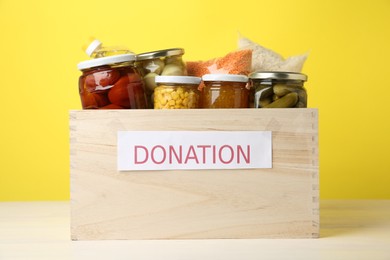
{"x": 160, "y": 53}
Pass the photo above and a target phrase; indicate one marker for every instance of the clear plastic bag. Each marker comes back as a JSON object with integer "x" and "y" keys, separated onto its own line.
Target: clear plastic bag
{"x": 264, "y": 59}
{"x": 235, "y": 62}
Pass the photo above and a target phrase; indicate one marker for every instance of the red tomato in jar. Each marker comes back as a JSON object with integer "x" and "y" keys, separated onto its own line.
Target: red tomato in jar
{"x": 111, "y": 106}
{"x": 137, "y": 95}
{"x": 133, "y": 77}
{"x": 100, "y": 80}
{"x": 119, "y": 94}
{"x": 93, "y": 100}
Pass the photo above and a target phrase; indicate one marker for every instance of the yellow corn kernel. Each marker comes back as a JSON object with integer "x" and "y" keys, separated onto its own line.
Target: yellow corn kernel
{"x": 167, "y": 89}
{"x": 158, "y": 96}
{"x": 162, "y": 101}
{"x": 174, "y": 95}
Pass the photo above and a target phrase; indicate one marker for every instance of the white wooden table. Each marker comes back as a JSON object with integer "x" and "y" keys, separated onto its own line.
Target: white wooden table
{"x": 350, "y": 229}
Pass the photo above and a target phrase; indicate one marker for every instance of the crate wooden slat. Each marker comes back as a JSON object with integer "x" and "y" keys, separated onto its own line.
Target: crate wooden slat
{"x": 281, "y": 202}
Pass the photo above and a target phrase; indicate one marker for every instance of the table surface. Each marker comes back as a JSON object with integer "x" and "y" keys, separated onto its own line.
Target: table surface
{"x": 350, "y": 229}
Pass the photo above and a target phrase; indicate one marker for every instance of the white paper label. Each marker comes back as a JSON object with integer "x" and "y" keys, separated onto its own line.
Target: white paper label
{"x": 171, "y": 150}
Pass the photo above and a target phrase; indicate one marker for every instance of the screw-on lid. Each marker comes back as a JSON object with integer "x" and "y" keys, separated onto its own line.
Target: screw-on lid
{"x": 278, "y": 75}
{"x": 225, "y": 77}
{"x": 105, "y": 61}
{"x": 178, "y": 79}
{"x": 93, "y": 46}
{"x": 160, "y": 53}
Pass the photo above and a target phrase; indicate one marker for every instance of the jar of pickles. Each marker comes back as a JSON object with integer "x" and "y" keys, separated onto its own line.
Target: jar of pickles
{"x": 167, "y": 62}
{"x": 111, "y": 82}
{"x": 176, "y": 92}
{"x": 225, "y": 91}
{"x": 274, "y": 89}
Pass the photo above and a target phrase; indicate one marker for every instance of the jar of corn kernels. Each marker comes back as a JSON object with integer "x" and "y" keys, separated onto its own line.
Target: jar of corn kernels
{"x": 176, "y": 92}
{"x": 225, "y": 91}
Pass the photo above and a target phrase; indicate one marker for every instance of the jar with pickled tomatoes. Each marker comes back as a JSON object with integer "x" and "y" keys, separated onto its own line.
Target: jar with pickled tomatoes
{"x": 111, "y": 82}
{"x": 225, "y": 91}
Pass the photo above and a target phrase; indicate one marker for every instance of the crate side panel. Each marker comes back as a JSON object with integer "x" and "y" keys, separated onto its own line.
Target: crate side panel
{"x": 279, "y": 202}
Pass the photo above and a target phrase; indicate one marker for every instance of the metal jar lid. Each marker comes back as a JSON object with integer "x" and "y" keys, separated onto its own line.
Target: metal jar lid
{"x": 278, "y": 75}
{"x": 160, "y": 53}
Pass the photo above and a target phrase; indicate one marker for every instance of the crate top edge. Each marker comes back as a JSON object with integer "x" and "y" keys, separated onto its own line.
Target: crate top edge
{"x": 269, "y": 110}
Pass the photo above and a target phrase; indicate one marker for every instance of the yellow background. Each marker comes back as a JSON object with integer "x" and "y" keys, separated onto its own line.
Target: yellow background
{"x": 348, "y": 69}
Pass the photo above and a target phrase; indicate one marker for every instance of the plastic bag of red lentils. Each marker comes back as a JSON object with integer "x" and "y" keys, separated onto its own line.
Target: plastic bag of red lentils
{"x": 235, "y": 62}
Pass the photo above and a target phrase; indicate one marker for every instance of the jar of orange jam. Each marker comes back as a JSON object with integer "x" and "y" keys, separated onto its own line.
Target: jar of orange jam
{"x": 225, "y": 91}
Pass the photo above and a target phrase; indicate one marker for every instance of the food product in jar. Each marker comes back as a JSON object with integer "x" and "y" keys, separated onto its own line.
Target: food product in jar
{"x": 176, "y": 92}
{"x": 112, "y": 106}
{"x": 168, "y": 62}
{"x": 93, "y": 100}
{"x": 288, "y": 100}
{"x": 101, "y": 79}
{"x": 274, "y": 89}
{"x": 225, "y": 91}
{"x": 111, "y": 83}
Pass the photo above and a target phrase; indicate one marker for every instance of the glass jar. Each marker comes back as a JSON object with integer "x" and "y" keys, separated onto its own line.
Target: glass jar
{"x": 167, "y": 62}
{"x": 225, "y": 91}
{"x": 95, "y": 49}
{"x": 176, "y": 92}
{"x": 111, "y": 82}
{"x": 274, "y": 89}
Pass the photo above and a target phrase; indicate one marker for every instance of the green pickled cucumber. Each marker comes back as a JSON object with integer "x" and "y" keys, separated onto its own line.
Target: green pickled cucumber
{"x": 265, "y": 102}
{"x": 302, "y": 95}
{"x": 282, "y": 90}
{"x": 300, "y": 105}
{"x": 289, "y": 100}
{"x": 261, "y": 94}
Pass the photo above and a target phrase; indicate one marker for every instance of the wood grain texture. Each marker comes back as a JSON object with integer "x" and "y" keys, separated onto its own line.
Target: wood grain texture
{"x": 281, "y": 202}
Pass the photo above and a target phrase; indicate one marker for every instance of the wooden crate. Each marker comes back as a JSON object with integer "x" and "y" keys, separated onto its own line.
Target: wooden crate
{"x": 281, "y": 202}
